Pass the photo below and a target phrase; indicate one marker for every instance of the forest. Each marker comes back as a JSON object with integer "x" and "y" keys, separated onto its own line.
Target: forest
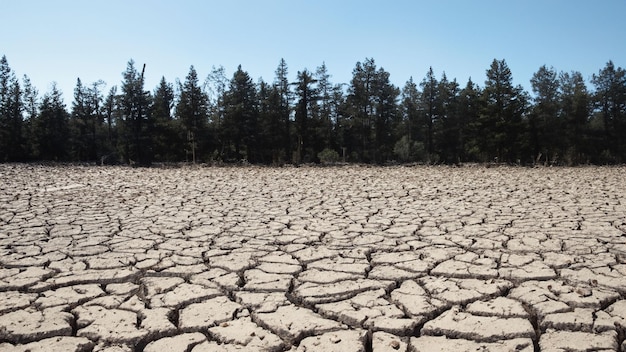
{"x": 220, "y": 119}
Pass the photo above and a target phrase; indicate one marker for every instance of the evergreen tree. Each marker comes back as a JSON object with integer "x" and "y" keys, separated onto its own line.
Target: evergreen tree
{"x": 111, "y": 117}
{"x": 546, "y": 130}
{"x": 241, "y": 118}
{"x": 282, "y": 83}
{"x": 430, "y": 96}
{"x": 51, "y": 128}
{"x": 470, "y": 134}
{"x": 307, "y": 97}
{"x": 134, "y": 110}
{"x": 360, "y": 104}
{"x": 387, "y": 116}
{"x": 30, "y": 101}
{"x": 575, "y": 108}
{"x": 193, "y": 112}
{"x": 610, "y": 98}
{"x": 79, "y": 123}
{"x": 6, "y": 78}
{"x": 502, "y": 118}
{"x": 270, "y": 125}
{"x": 339, "y": 117}
{"x": 372, "y": 106}
{"x": 97, "y": 129}
{"x": 449, "y": 124}
{"x": 217, "y": 85}
{"x": 11, "y": 120}
{"x": 410, "y": 108}
{"x": 325, "y": 112}
{"x": 15, "y": 148}
{"x": 167, "y": 142}
{"x": 411, "y": 130}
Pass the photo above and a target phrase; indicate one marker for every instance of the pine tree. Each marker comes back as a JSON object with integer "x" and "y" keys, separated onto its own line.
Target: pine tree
{"x": 360, "y": 105}
{"x": 30, "y": 101}
{"x": 11, "y": 119}
{"x": 52, "y": 128}
{"x": 429, "y": 106}
{"x": 282, "y": 83}
{"x": 575, "y": 109}
{"x": 111, "y": 117}
{"x": 502, "y": 118}
{"x": 409, "y": 104}
{"x": 96, "y": 128}
{"x": 79, "y": 123}
{"x": 15, "y": 148}
{"x": 386, "y": 116}
{"x": 340, "y": 119}
{"x": 134, "y": 107}
{"x": 372, "y": 108}
{"x": 270, "y": 131}
{"x": 546, "y": 130}
{"x": 324, "y": 109}
{"x": 241, "y": 118}
{"x": 6, "y": 77}
{"x": 610, "y": 98}
{"x": 410, "y": 145}
{"x": 449, "y": 125}
{"x": 470, "y": 135}
{"x": 193, "y": 112}
{"x": 166, "y": 138}
{"x": 304, "y": 123}
{"x": 217, "y": 85}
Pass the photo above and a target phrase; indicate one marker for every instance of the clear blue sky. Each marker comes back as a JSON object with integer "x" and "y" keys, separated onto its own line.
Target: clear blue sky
{"x": 62, "y": 40}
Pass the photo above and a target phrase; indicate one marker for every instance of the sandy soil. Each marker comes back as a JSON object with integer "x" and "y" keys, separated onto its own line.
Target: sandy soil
{"x": 312, "y": 259}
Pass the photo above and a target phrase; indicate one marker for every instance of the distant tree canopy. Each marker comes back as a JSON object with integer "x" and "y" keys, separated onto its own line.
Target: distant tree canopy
{"x": 311, "y": 120}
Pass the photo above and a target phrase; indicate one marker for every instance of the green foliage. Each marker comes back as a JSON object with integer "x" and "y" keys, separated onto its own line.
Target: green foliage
{"x": 372, "y": 111}
{"x": 109, "y": 127}
{"x": 167, "y": 138}
{"x": 12, "y": 144}
{"x": 87, "y": 138}
{"x": 407, "y": 150}
{"x": 410, "y": 109}
{"x": 271, "y": 132}
{"x": 545, "y": 126}
{"x": 304, "y": 120}
{"x": 502, "y": 116}
{"x": 52, "y": 128}
{"x": 610, "y": 99}
{"x": 311, "y": 119}
{"x": 328, "y": 156}
{"x": 192, "y": 112}
{"x": 429, "y": 105}
{"x": 136, "y": 123}
{"x": 241, "y": 119}
{"x": 574, "y": 111}
{"x": 281, "y": 82}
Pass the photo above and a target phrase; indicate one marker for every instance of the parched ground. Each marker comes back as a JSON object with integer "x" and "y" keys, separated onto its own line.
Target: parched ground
{"x": 312, "y": 259}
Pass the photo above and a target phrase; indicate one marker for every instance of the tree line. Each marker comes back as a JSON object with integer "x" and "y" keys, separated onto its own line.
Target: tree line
{"x": 311, "y": 120}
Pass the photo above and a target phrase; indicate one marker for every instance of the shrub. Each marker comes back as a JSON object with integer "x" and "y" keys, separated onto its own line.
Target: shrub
{"x": 328, "y": 156}
{"x": 407, "y": 150}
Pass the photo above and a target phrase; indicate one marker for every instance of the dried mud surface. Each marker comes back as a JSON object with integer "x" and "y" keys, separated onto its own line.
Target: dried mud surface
{"x": 312, "y": 259}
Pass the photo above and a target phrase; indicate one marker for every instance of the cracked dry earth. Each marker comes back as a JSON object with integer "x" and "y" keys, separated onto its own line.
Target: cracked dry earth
{"x": 312, "y": 259}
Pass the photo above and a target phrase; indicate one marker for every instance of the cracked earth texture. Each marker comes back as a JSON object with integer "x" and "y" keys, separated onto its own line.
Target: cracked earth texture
{"x": 312, "y": 259}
